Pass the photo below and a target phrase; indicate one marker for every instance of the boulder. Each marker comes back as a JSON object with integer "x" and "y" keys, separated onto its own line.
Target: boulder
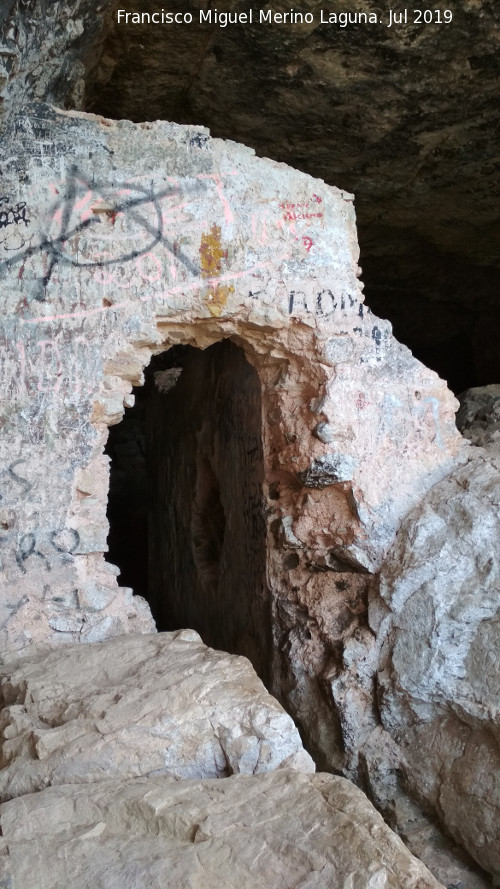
{"x": 281, "y": 829}
{"x": 439, "y": 675}
{"x": 138, "y": 705}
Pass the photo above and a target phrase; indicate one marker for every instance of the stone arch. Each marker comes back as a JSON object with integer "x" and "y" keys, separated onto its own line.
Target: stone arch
{"x": 299, "y": 569}
{"x": 156, "y": 235}
{"x": 284, "y": 381}
{"x": 319, "y": 556}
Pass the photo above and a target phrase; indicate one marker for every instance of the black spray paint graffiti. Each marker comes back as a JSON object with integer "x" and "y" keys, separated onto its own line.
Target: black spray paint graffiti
{"x": 64, "y": 542}
{"x": 58, "y": 243}
{"x": 26, "y": 548}
{"x": 13, "y": 214}
{"x": 324, "y": 303}
{"x": 18, "y": 479}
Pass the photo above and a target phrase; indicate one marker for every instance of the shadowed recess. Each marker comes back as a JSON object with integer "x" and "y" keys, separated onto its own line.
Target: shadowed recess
{"x": 185, "y": 504}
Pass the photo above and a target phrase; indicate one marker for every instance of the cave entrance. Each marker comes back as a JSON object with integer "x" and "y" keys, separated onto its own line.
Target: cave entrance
{"x": 185, "y": 504}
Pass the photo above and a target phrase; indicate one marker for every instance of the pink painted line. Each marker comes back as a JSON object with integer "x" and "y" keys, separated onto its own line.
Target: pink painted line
{"x": 216, "y": 179}
{"x": 180, "y": 288}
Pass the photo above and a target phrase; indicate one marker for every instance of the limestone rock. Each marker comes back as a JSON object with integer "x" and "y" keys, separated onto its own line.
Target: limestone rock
{"x": 138, "y": 705}
{"x": 331, "y": 101}
{"x": 174, "y": 239}
{"x": 280, "y": 829}
{"x": 440, "y": 669}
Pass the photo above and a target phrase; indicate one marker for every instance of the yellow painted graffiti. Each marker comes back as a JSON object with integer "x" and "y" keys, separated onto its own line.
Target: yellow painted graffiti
{"x": 212, "y": 254}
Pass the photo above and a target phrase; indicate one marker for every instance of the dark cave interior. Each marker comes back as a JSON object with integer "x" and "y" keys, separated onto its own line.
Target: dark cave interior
{"x": 408, "y": 121}
{"x": 185, "y": 501}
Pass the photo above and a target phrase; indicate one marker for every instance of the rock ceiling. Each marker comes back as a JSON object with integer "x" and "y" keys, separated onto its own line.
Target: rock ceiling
{"x": 406, "y": 117}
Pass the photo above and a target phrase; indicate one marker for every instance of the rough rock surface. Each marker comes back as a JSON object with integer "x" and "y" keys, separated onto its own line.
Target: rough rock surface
{"x": 405, "y": 116}
{"x": 45, "y": 49}
{"x": 479, "y": 415}
{"x": 280, "y": 829}
{"x": 138, "y": 705}
{"x": 439, "y": 675}
{"x": 137, "y": 238}
{"x": 119, "y": 241}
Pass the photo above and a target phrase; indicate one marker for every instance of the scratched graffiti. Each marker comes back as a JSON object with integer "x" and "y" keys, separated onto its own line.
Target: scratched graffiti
{"x": 111, "y": 232}
{"x": 428, "y": 412}
{"x": 78, "y": 217}
{"x": 397, "y": 424}
{"x": 51, "y": 359}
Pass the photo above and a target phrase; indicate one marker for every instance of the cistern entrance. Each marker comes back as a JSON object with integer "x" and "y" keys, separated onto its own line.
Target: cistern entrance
{"x": 185, "y": 505}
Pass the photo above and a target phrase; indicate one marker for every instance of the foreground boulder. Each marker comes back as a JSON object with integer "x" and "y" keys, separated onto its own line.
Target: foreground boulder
{"x": 439, "y": 675}
{"x": 278, "y": 829}
{"x": 138, "y": 705}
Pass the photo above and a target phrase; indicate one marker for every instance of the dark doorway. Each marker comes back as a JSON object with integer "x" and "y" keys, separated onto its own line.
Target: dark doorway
{"x": 128, "y": 496}
{"x": 185, "y": 506}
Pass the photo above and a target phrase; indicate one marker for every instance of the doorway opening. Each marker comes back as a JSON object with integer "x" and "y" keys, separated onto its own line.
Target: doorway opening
{"x": 185, "y": 506}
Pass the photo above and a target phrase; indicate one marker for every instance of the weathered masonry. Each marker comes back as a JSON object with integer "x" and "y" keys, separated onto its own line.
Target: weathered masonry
{"x": 126, "y": 240}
